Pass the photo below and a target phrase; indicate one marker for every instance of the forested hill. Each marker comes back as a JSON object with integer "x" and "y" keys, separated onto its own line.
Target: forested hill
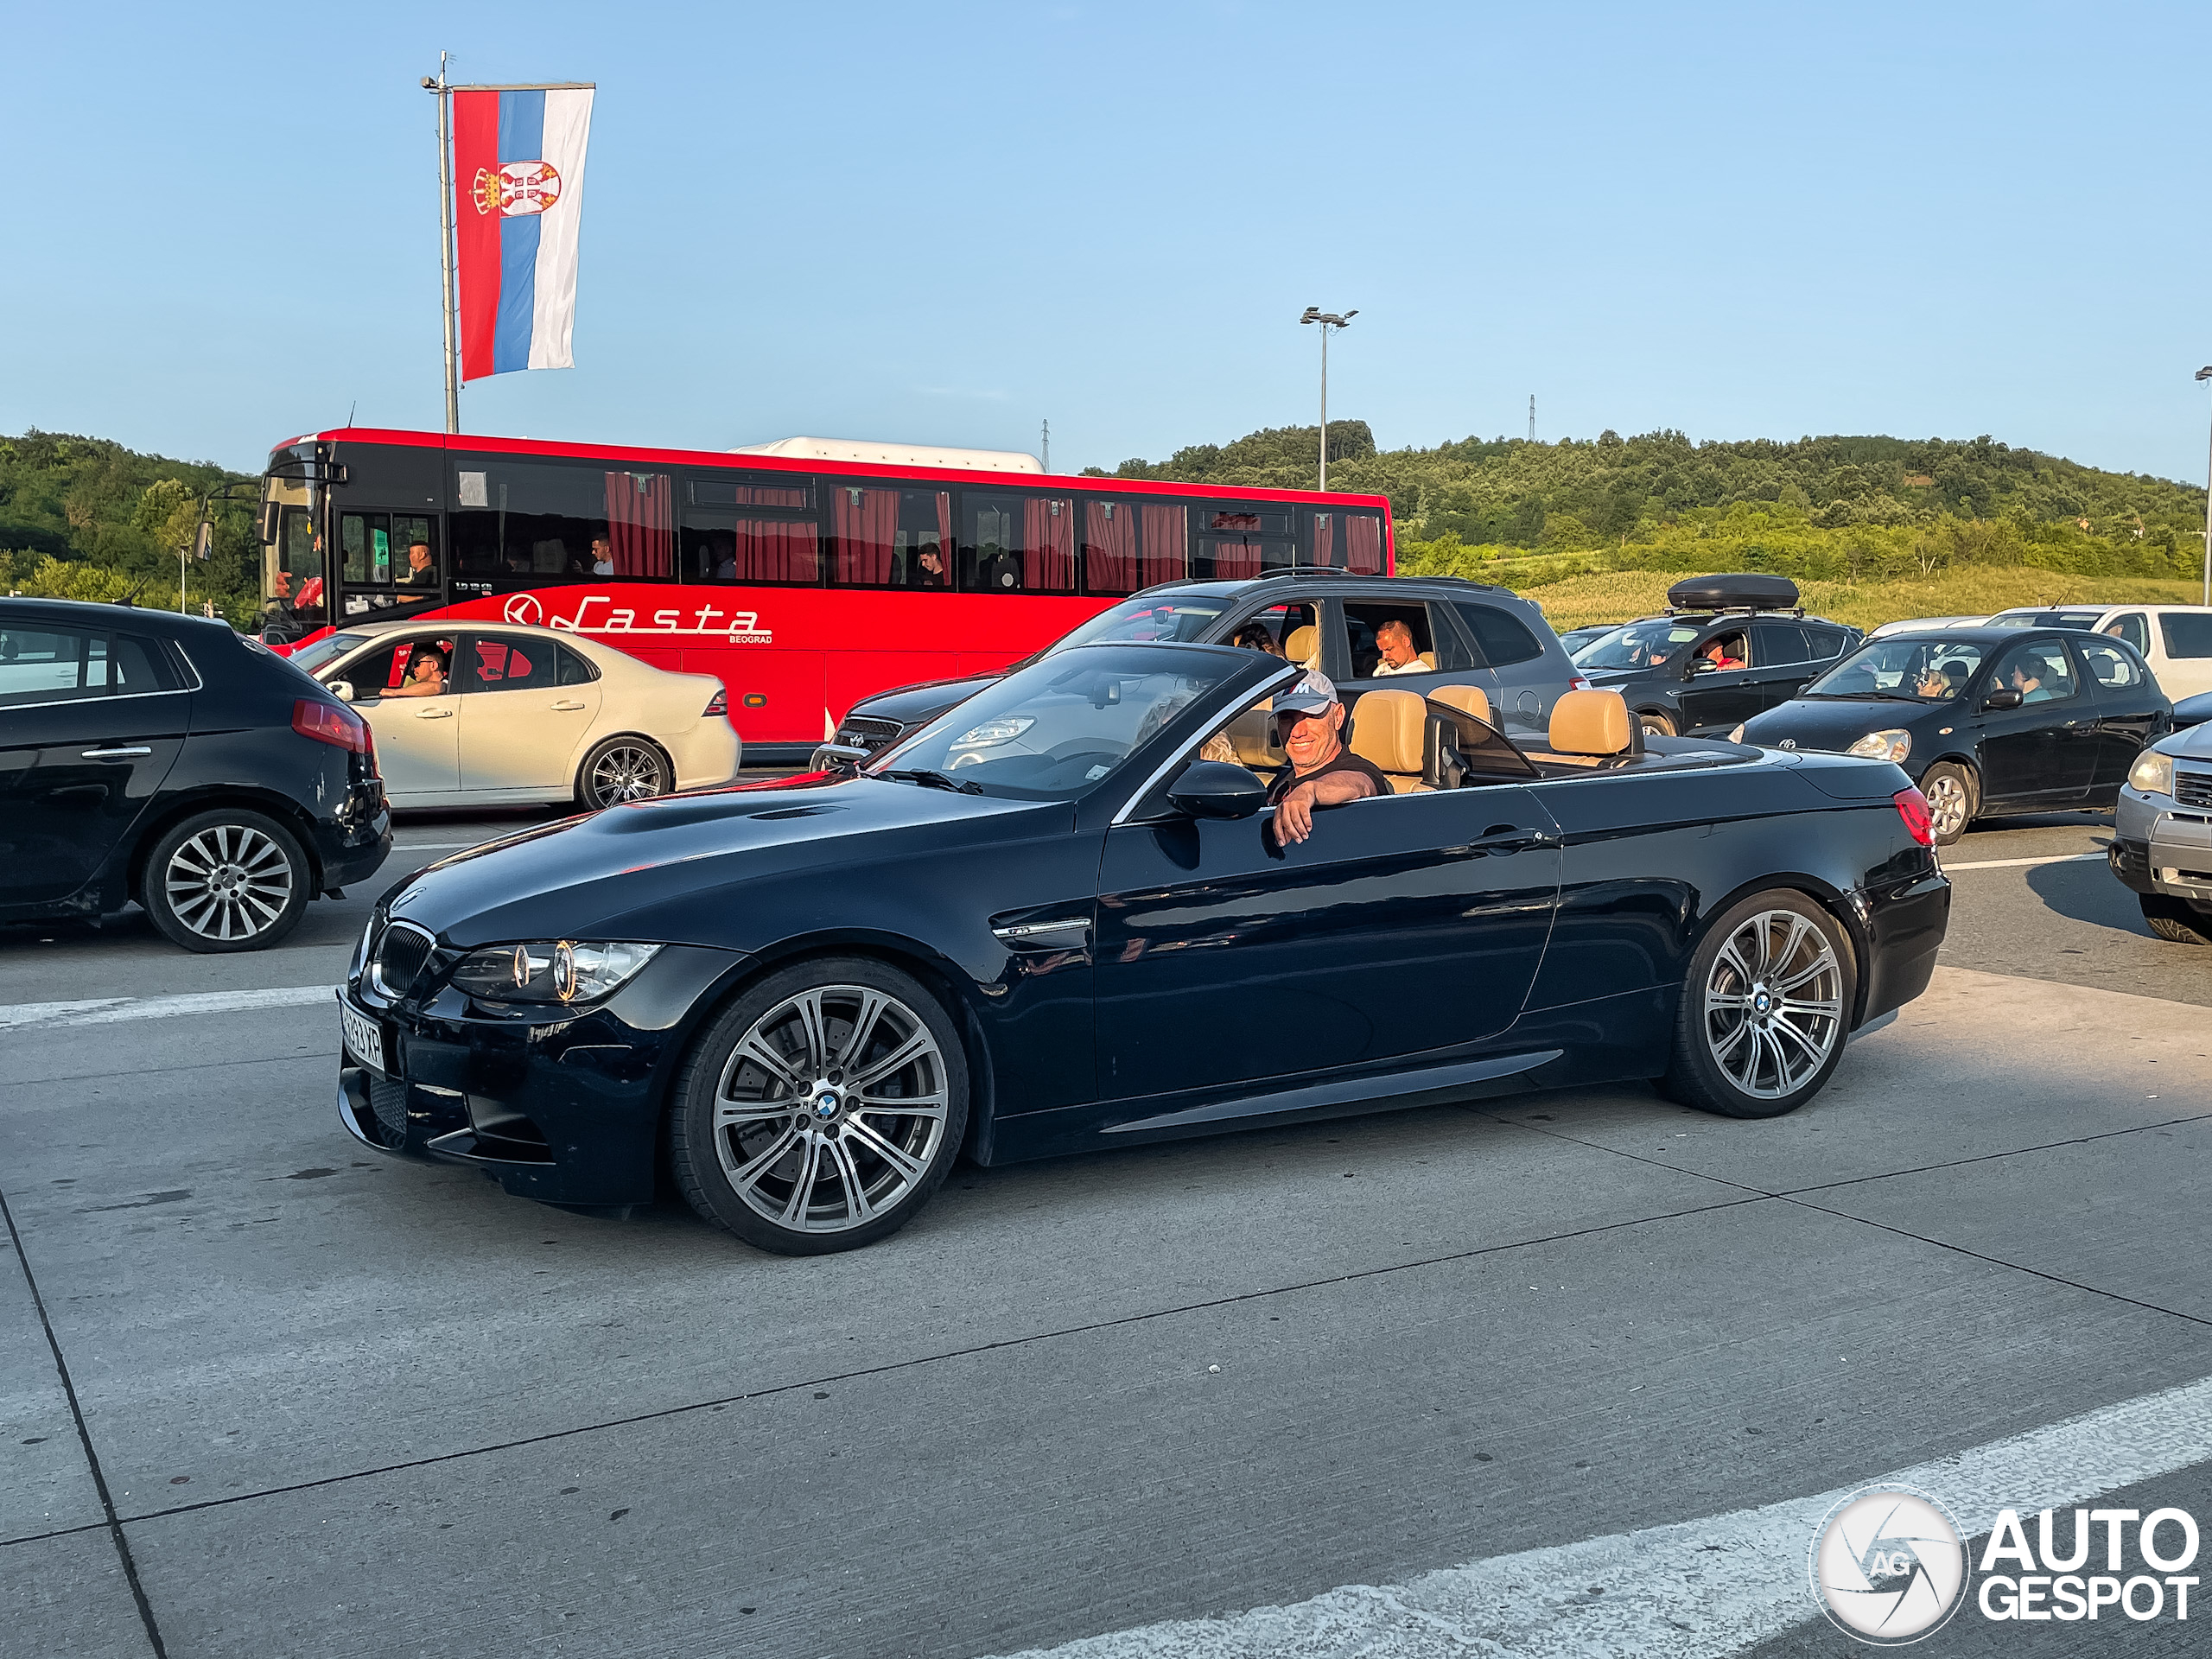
{"x": 1844, "y": 498}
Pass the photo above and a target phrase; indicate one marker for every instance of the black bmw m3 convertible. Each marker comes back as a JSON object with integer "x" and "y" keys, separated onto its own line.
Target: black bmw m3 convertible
{"x": 1061, "y": 917}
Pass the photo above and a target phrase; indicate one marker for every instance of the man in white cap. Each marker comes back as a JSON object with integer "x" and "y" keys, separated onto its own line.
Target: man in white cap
{"x": 1309, "y": 726}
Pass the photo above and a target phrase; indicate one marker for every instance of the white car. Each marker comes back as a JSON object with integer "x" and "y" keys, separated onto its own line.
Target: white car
{"x": 2175, "y": 640}
{"x": 1924, "y": 625}
{"x": 477, "y": 714}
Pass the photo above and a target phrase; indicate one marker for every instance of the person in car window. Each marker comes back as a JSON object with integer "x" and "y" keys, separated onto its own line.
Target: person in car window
{"x": 2027, "y": 680}
{"x": 426, "y": 676}
{"x": 1254, "y": 636}
{"x": 1395, "y": 641}
{"x": 1309, "y": 727}
{"x": 1725, "y": 653}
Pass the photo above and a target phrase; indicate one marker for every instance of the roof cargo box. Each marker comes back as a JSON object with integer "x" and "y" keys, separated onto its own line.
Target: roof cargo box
{"x": 1742, "y": 592}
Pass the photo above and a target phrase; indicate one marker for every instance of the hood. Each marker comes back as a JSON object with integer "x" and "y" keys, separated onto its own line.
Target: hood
{"x": 1818, "y": 723}
{"x": 910, "y": 705}
{"x": 2195, "y": 741}
{"x": 642, "y": 871}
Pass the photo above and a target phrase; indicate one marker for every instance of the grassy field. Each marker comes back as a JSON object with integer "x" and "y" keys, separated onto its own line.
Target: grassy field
{"x": 1619, "y": 595}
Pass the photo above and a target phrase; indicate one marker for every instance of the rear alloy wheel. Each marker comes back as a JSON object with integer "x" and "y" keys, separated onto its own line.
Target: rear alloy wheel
{"x": 1952, "y": 800}
{"x": 2176, "y": 920}
{"x": 823, "y": 1110}
{"x": 228, "y": 880}
{"x": 1765, "y": 1009}
{"x": 622, "y": 769}
{"x": 1656, "y": 724}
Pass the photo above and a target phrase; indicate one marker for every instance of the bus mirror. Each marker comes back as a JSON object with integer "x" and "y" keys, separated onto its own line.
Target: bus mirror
{"x": 268, "y": 510}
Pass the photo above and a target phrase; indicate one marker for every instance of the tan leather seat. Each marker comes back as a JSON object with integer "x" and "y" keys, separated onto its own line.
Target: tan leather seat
{"x": 1467, "y": 699}
{"x": 1252, "y": 735}
{"x": 1429, "y": 657}
{"x": 1389, "y": 729}
{"x": 1590, "y": 727}
{"x": 1303, "y": 647}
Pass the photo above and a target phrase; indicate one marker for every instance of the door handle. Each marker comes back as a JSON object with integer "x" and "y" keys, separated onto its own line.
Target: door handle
{"x": 434, "y": 714}
{"x": 1505, "y": 838}
{"x": 115, "y": 755}
{"x": 567, "y": 702}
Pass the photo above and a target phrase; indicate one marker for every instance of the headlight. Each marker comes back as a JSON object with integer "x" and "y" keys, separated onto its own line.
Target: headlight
{"x": 2152, "y": 773}
{"x": 992, "y": 733}
{"x": 550, "y": 970}
{"x": 1892, "y": 744}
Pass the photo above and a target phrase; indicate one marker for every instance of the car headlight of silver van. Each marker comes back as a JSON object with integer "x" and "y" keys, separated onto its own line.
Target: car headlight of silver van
{"x": 1892, "y": 744}
{"x": 551, "y": 970}
{"x": 2152, "y": 773}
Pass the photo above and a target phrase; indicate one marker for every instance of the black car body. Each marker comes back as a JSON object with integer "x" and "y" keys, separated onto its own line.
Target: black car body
{"x": 1672, "y": 687}
{"x": 1469, "y": 633}
{"x": 120, "y": 726}
{"x": 1977, "y": 747}
{"x": 1136, "y": 957}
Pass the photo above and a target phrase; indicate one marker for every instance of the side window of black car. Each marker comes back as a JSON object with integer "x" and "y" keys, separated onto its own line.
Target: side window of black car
{"x": 2110, "y": 666}
{"x": 1825, "y": 643}
{"x": 47, "y": 665}
{"x": 1777, "y": 644}
{"x": 1502, "y": 637}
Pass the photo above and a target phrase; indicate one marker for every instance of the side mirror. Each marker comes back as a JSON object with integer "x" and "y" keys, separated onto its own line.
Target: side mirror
{"x": 1699, "y": 665}
{"x": 342, "y": 690}
{"x": 1215, "y": 789}
{"x": 2003, "y": 697}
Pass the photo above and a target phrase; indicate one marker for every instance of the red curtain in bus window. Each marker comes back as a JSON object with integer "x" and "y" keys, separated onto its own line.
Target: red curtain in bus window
{"x": 1109, "y": 547}
{"x": 1166, "y": 543}
{"x": 1047, "y": 545}
{"x": 640, "y": 519}
{"x": 1324, "y": 538}
{"x": 1363, "y": 543}
{"x": 944, "y": 532}
{"x": 776, "y": 550}
{"x": 1235, "y": 561}
{"x": 866, "y": 525}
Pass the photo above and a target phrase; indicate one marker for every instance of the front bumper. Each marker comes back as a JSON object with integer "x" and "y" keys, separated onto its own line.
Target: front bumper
{"x": 2158, "y": 847}
{"x": 556, "y": 1105}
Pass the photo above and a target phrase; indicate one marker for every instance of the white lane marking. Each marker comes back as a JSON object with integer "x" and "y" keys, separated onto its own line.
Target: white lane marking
{"x": 1696, "y": 1590}
{"x": 2021, "y": 863}
{"x": 113, "y": 1010}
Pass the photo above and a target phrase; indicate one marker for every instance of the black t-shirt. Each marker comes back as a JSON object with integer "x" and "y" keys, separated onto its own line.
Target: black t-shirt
{"x": 1345, "y": 761}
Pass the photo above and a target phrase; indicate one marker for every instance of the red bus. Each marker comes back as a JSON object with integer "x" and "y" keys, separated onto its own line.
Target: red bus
{"x": 803, "y": 582}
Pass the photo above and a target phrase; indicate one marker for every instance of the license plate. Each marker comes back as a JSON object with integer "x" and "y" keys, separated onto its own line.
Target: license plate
{"x": 364, "y": 1037}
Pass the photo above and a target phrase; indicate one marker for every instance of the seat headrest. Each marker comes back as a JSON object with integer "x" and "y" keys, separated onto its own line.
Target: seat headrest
{"x": 1302, "y": 645}
{"x": 1591, "y": 722}
{"x": 1388, "y": 728}
{"x": 1467, "y": 699}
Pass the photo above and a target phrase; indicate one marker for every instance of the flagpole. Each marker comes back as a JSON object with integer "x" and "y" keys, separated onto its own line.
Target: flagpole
{"x": 445, "y": 241}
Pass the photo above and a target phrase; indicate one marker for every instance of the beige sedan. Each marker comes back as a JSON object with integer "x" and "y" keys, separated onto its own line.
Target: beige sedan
{"x": 470, "y": 714}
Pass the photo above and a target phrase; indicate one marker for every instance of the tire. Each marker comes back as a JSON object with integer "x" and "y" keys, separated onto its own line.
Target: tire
{"x": 1656, "y": 724}
{"x": 622, "y": 769}
{"x": 227, "y": 880}
{"x": 780, "y": 1062}
{"x": 2175, "y": 920}
{"x": 1954, "y": 800}
{"x": 1741, "y": 1061}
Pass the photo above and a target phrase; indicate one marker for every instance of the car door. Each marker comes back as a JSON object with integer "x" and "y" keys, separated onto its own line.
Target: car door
{"x": 1714, "y": 699}
{"x": 89, "y": 724}
{"x": 2130, "y": 710}
{"x": 528, "y": 704}
{"x": 418, "y": 738}
{"x": 1403, "y": 923}
{"x": 1523, "y": 688}
{"x": 2043, "y": 752}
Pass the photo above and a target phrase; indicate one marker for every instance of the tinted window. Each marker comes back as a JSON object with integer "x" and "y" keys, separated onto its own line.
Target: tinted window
{"x": 328, "y": 649}
{"x": 1824, "y": 643}
{"x": 511, "y": 665}
{"x": 573, "y": 668}
{"x": 1350, "y": 541}
{"x": 2129, "y": 627}
{"x": 1434, "y": 640}
{"x": 2039, "y": 671}
{"x": 887, "y": 538}
{"x": 1017, "y": 544}
{"x": 65, "y": 664}
{"x": 527, "y": 523}
{"x": 398, "y": 551}
{"x": 2112, "y": 667}
{"x": 2188, "y": 633}
{"x": 1777, "y": 644}
{"x": 740, "y": 491}
{"x": 298, "y": 581}
{"x": 1904, "y": 664}
{"x": 1129, "y": 543}
{"x": 1501, "y": 637}
{"x": 1635, "y": 645}
{"x": 1185, "y": 617}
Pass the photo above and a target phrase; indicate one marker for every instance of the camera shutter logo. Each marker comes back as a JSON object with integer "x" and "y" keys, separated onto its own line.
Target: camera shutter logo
{"x": 1889, "y": 1566}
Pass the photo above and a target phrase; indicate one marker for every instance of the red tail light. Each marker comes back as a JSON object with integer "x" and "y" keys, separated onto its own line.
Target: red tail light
{"x": 717, "y": 704}
{"x": 334, "y": 724}
{"x": 1912, "y": 807}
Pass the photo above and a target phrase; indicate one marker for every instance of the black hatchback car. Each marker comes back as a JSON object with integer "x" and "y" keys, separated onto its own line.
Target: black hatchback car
{"x": 1731, "y": 647}
{"x": 1987, "y": 721}
{"x": 1457, "y": 632}
{"x": 167, "y": 759}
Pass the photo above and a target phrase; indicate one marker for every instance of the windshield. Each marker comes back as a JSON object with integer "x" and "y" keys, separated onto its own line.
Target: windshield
{"x": 1925, "y": 667}
{"x": 327, "y": 649}
{"x": 1637, "y": 644}
{"x": 1142, "y": 622}
{"x": 1054, "y": 729}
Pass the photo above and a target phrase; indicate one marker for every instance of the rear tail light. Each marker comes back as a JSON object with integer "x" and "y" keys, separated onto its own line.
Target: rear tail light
{"x": 334, "y": 724}
{"x": 1919, "y": 823}
{"x": 717, "y": 704}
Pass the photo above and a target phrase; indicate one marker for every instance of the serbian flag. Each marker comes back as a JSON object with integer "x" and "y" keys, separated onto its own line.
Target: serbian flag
{"x": 519, "y": 197}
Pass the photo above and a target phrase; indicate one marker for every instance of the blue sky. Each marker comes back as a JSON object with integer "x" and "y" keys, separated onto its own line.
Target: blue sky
{"x": 942, "y": 224}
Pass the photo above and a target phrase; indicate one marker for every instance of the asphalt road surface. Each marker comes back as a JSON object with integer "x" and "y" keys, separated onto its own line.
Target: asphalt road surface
{"x": 1565, "y": 1373}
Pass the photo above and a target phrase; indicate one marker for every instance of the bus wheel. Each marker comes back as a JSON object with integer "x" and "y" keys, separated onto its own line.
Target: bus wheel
{"x": 622, "y": 769}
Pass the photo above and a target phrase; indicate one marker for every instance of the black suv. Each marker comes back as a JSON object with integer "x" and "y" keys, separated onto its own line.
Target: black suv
{"x": 1465, "y": 632}
{"x": 1729, "y": 648}
{"x": 167, "y": 759}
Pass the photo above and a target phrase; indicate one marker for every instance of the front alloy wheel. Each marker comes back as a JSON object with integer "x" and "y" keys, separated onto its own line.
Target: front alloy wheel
{"x": 823, "y": 1110}
{"x": 1766, "y": 1012}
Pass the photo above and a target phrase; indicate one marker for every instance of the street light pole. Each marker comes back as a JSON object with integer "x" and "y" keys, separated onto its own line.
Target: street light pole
{"x": 1328, "y": 319}
{"x": 2205, "y": 374}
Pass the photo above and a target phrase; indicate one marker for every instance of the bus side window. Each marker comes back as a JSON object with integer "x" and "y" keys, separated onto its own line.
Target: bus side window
{"x": 891, "y": 537}
{"x": 529, "y": 524}
{"x": 1130, "y": 543}
{"x": 1348, "y": 541}
{"x": 1017, "y": 544}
